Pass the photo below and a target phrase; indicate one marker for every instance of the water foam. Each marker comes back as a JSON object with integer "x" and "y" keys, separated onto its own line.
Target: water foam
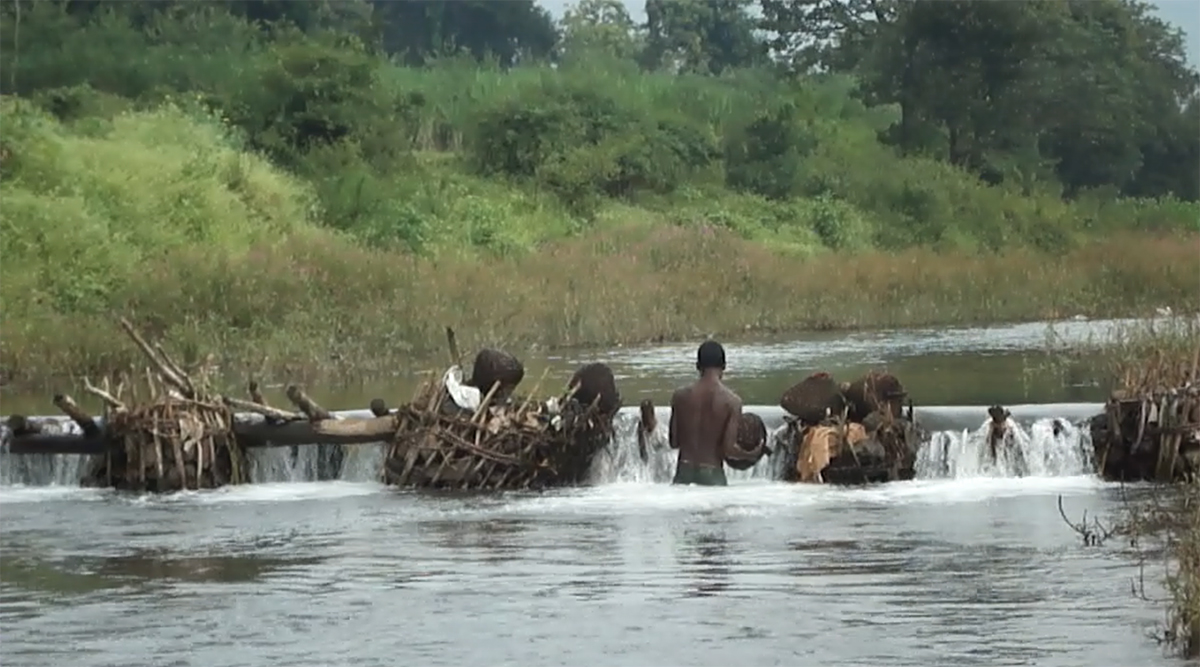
{"x": 621, "y": 461}
{"x": 1048, "y": 448}
{"x": 271, "y": 492}
{"x": 1034, "y": 450}
{"x": 25, "y": 493}
{"x": 360, "y": 463}
{"x": 760, "y": 497}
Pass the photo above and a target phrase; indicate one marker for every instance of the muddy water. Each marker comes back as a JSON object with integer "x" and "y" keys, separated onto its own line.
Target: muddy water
{"x": 968, "y": 565}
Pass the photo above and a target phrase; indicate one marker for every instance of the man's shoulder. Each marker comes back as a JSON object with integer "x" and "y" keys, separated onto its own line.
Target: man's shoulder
{"x": 730, "y": 396}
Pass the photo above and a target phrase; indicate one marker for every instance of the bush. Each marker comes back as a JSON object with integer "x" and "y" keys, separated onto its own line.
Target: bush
{"x": 84, "y": 213}
{"x": 582, "y": 143}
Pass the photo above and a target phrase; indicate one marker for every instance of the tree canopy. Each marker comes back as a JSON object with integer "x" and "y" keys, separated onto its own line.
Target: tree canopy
{"x": 782, "y": 99}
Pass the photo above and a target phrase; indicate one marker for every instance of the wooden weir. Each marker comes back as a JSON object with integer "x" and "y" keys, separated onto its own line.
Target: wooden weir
{"x": 186, "y": 436}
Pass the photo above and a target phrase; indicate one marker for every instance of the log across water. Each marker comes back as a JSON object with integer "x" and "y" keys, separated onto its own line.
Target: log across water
{"x": 255, "y": 431}
{"x": 251, "y": 431}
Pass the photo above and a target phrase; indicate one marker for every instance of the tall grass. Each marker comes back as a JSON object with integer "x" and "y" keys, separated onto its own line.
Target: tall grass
{"x": 316, "y": 301}
{"x": 455, "y": 90}
{"x": 1140, "y": 357}
{"x": 848, "y": 190}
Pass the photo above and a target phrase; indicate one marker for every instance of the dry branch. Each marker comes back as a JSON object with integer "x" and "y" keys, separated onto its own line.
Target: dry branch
{"x": 264, "y": 410}
{"x": 109, "y": 400}
{"x": 188, "y": 389}
{"x": 519, "y": 445}
{"x": 162, "y": 366}
{"x": 256, "y": 395}
{"x": 68, "y": 407}
{"x": 1093, "y": 533}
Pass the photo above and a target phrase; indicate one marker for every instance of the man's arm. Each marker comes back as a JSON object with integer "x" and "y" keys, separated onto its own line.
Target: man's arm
{"x": 729, "y": 446}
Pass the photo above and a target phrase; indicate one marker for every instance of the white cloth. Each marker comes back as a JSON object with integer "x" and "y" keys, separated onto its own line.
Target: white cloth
{"x": 467, "y": 398}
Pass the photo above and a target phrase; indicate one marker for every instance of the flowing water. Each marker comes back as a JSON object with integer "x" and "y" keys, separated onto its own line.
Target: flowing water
{"x": 969, "y": 564}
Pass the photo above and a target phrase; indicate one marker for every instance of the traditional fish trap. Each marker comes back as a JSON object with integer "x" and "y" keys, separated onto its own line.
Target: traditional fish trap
{"x": 751, "y": 443}
{"x": 852, "y": 433}
{"x": 843, "y": 452}
{"x": 170, "y": 444}
{"x": 849, "y": 432}
{"x": 526, "y": 444}
{"x": 180, "y": 438}
{"x": 1153, "y": 435}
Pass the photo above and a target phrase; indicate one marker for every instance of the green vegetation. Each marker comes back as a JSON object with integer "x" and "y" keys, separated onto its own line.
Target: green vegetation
{"x": 1166, "y": 528}
{"x": 320, "y": 181}
{"x": 1153, "y": 355}
{"x": 1161, "y": 525}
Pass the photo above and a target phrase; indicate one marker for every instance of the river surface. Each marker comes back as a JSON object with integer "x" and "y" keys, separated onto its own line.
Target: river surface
{"x": 970, "y": 564}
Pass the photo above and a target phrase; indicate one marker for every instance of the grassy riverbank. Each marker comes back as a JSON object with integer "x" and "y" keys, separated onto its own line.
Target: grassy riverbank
{"x": 322, "y": 192}
{"x": 312, "y": 304}
{"x": 161, "y": 217}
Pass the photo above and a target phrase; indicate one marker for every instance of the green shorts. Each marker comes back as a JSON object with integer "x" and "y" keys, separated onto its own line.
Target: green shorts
{"x": 690, "y": 473}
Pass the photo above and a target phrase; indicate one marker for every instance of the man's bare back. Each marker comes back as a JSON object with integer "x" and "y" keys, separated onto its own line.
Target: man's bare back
{"x": 704, "y": 421}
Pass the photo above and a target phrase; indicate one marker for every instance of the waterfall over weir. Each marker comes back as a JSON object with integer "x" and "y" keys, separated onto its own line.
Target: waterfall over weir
{"x": 956, "y": 448}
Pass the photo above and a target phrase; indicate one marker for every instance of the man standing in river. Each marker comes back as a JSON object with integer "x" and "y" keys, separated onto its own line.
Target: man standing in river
{"x": 704, "y": 421}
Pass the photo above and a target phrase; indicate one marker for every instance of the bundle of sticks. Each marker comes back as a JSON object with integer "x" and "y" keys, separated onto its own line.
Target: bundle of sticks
{"x": 520, "y": 444}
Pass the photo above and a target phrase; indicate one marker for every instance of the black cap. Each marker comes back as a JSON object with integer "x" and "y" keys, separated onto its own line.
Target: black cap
{"x": 710, "y": 355}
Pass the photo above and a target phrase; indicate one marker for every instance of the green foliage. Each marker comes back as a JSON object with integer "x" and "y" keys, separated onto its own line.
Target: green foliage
{"x": 582, "y": 142}
{"x": 85, "y": 213}
{"x": 766, "y": 156}
{"x": 317, "y": 92}
{"x": 489, "y": 151}
{"x": 598, "y": 29}
{"x": 418, "y": 30}
{"x": 1092, "y": 92}
{"x": 708, "y": 36}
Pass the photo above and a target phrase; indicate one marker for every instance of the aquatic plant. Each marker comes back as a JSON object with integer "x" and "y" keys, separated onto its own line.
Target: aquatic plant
{"x": 1167, "y": 529}
{"x": 1140, "y": 359}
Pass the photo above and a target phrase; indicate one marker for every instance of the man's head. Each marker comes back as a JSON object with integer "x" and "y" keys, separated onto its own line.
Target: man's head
{"x": 710, "y": 357}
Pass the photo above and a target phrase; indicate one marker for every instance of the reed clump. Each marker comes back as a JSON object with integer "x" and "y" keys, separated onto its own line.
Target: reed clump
{"x": 1152, "y": 354}
{"x": 1166, "y": 527}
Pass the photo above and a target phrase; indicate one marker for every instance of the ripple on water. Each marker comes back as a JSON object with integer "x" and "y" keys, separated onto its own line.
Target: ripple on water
{"x": 963, "y": 572}
{"x": 19, "y": 493}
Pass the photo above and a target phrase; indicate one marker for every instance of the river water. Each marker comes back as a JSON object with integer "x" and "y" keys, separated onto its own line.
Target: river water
{"x": 970, "y": 564}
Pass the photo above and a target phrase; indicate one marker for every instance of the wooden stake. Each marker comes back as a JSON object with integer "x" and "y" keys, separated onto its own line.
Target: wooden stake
{"x": 256, "y": 395}
{"x": 308, "y": 406}
{"x": 452, "y": 346}
{"x": 260, "y": 409}
{"x": 378, "y": 407}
